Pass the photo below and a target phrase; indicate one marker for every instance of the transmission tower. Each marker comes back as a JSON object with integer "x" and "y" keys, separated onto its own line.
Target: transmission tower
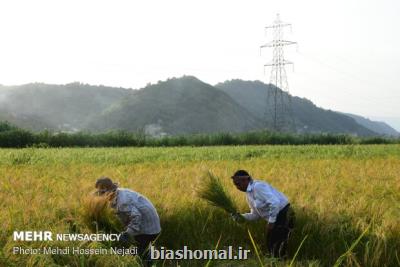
{"x": 278, "y": 113}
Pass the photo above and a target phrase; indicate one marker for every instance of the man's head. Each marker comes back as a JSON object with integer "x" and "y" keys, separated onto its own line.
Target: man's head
{"x": 105, "y": 185}
{"x": 241, "y": 180}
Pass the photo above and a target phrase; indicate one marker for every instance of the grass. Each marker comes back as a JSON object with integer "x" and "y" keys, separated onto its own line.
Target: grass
{"x": 337, "y": 192}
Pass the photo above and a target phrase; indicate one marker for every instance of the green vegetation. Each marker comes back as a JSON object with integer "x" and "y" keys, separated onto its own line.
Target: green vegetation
{"x": 11, "y": 136}
{"x": 346, "y": 200}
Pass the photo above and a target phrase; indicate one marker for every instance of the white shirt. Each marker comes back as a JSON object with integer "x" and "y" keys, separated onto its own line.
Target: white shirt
{"x": 264, "y": 201}
{"x": 136, "y": 212}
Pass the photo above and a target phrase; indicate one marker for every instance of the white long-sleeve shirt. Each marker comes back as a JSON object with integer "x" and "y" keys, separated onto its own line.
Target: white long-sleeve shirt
{"x": 136, "y": 212}
{"x": 264, "y": 201}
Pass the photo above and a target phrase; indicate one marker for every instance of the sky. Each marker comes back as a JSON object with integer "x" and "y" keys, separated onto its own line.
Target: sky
{"x": 346, "y": 58}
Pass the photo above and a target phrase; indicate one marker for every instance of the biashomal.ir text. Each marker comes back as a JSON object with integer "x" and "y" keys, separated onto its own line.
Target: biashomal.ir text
{"x": 228, "y": 253}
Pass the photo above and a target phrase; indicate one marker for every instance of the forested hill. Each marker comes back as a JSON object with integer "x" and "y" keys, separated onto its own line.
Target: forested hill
{"x": 183, "y": 105}
{"x": 307, "y": 116}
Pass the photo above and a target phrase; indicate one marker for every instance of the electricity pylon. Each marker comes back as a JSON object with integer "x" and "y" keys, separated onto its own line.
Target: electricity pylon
{"x": 278, "y": 113}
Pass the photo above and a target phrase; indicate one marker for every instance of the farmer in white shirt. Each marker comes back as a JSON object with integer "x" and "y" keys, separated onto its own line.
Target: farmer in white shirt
{"x": 269, "y": 204}
{"x": 136, "y": 212}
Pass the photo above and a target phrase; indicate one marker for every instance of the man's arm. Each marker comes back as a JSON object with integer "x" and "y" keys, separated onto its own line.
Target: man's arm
{"x": 135, "y": 218}
{"x": 251, "y": 216}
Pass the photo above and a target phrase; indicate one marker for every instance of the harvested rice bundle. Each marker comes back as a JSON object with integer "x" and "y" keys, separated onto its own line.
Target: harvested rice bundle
{"x": 99, "y": 216}
{"x": 214, "y": 193}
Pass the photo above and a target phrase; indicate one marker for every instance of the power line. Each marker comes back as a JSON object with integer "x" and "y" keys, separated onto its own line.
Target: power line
{"x": 339, "y": 71}
{"x": 278, "y": 113}
{"x": 346, "y": 75}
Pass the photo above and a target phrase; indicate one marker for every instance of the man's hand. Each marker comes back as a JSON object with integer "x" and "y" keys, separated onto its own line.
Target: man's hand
{"x": 237, "y": 217}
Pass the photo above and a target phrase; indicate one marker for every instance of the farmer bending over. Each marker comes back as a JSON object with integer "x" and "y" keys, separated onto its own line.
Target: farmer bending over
{"x": 269, "y": 204}
{"x": 137, "y": 214}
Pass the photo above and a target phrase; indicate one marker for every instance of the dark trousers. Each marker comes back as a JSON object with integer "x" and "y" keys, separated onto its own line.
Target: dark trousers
{"x": 143, "y": 242}
{"x": 277, "y": 237}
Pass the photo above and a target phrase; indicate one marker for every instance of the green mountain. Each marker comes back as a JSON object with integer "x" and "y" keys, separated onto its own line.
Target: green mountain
{"x": 307, "y": 117}
{"x": 376, "y": 126}
{"x": 25, "y": 121}
{"x": 183, "y": 105}
{"x": 69, "y": 107}
{"x": 177, "y": 106}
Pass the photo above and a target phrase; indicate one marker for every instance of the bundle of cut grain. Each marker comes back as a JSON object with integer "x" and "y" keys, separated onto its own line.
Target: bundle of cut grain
{"x": 214, "y": 193}
{"x": 99, "y": 216}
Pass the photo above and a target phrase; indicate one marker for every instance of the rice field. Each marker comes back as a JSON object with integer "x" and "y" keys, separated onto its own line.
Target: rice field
{"x": 346, "y": 199}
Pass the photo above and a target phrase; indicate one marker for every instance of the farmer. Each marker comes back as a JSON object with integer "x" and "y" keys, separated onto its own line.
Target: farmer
{"x": 269, "y": 204}
{"x": 136, "y": 212}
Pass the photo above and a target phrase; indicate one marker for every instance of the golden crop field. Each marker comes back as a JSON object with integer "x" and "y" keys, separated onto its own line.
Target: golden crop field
{"x": 337, "y": 192}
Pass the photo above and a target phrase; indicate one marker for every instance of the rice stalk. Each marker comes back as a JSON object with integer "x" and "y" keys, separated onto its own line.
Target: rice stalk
{"x": 297, "y": 251}
{"x": 255, "y": 248}
{"x": 212, "y": 191}
{"x": 347, "y": 253}
{"x": 216, "y": 247}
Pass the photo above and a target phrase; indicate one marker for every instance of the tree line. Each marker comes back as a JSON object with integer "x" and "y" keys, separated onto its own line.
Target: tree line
{"x": 14, "y": 137}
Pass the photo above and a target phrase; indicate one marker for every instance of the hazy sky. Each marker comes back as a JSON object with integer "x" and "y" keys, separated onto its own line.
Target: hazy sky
{"x": 346, "y": 59}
